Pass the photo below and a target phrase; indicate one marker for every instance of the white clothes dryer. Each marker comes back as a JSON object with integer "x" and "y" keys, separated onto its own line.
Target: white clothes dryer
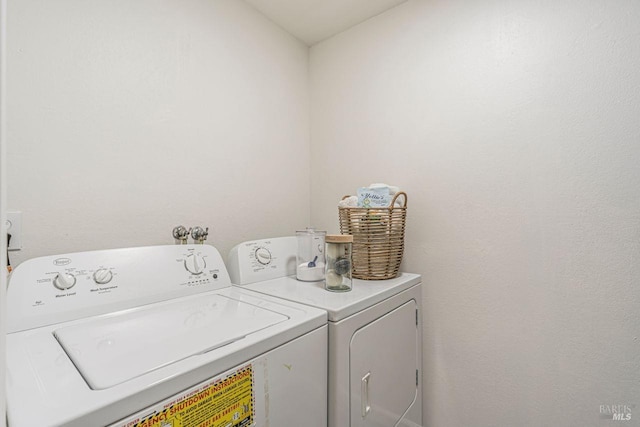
{"x": 157, "y": 336}
{"x": 375, "y": 334}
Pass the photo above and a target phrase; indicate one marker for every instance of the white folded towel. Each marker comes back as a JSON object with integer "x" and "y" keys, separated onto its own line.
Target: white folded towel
{"x": 349, "y": 202}
{"x": 392, "y": 188}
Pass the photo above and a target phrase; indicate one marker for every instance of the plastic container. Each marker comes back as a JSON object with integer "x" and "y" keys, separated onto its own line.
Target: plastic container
{"x": 339, "y": 250}
{"x": 310, "y": 257}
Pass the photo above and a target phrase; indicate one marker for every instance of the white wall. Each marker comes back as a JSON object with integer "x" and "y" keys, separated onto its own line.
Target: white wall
{"x": 3, "y": 191}
{"x": 513, "y": 126}
{"x": 127, "y": 118}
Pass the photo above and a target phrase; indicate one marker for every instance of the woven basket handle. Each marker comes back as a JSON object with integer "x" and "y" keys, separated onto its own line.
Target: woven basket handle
{"x": 395, "y": 197}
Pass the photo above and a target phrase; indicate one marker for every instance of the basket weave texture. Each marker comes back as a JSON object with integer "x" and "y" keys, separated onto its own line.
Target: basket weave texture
{"x": 378, "y": 238}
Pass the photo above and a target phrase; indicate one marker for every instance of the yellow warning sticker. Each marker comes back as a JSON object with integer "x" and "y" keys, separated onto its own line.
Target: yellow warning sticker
{"x": 225, "y": 402}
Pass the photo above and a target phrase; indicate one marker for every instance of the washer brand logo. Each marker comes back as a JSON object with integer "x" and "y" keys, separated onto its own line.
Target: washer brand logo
{"x": 62, "y": 261}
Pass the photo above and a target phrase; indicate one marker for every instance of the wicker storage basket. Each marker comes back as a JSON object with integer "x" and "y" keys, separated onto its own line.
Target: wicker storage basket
{"x": 378, "y": 238}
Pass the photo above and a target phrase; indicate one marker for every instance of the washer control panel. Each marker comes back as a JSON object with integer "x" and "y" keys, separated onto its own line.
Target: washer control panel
{"x": 260, "y": 260}
{"x": 66, "y": 287}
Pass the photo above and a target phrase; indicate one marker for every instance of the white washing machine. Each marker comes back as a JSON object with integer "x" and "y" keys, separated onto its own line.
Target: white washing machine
{"x": 157, "y": 336}
{"x": 375, "y": 334}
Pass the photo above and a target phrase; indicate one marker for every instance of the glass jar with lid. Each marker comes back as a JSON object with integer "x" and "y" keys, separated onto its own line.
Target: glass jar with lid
{"x": 338, "y": 253}
{"x": 310, "y": 257}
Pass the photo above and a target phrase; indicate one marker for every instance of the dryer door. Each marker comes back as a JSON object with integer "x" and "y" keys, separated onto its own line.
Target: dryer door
{"x": 384, "y": 366}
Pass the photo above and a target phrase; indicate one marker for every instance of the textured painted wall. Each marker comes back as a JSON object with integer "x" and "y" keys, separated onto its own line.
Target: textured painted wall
{"x": 3, "y": 237}
{"x": 128, "y": 118}
{"x": 513, "y": 126}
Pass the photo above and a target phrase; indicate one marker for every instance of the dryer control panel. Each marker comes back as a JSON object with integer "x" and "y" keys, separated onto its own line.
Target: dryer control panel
{"x": 260, "y": 260}
{"x": 55, "y": 289}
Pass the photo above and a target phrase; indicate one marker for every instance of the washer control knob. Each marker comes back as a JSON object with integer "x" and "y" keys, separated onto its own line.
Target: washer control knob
{"x": 64, "y": 281}
{"x": 194, "y": 264}
{"x": 263, "y": 256}
{"x": 102, "y": 276}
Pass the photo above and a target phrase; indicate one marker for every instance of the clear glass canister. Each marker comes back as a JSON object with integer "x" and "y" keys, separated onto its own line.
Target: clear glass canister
{"x": 310, "y": 259}
{"x": 337, "y": 275}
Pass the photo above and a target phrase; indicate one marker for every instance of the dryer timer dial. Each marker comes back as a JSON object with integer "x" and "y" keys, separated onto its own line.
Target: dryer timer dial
{"x": 263, "y": 256}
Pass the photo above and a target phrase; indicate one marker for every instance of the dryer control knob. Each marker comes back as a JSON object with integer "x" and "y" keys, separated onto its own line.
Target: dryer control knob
{"x": 102, "y": 276}
{"x": 263, "y": 256}
{"x": 194, "y": 264}
{"x": 64, "y": 281}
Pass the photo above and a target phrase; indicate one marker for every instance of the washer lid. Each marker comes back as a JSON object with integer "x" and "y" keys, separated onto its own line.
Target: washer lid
{"x": 115, "y": 348}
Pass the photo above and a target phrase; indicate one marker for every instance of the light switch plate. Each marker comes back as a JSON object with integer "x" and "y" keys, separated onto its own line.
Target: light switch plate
{"x": 14, "y": 227}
